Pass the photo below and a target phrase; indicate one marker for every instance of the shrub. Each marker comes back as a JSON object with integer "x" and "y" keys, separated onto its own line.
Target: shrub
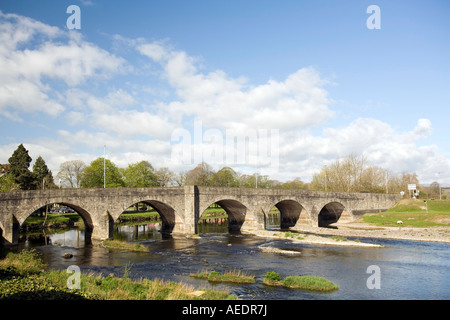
{"x": 272, "y": 276}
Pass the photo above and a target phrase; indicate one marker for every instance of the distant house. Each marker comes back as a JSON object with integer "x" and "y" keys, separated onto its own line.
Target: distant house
{"x": 4, "y": 168}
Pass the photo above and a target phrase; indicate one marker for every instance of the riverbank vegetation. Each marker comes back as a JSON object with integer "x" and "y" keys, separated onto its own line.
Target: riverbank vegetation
{"x": 24, "y": 277}
{"x": 123, "y": 245}
{"x": 311, "y": 283}
{"x": 413, "y": 213}
{"x": 233, "y": 276}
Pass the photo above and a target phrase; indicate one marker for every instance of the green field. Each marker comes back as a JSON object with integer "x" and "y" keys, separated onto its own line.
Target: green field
{"x": 413, "y": 213}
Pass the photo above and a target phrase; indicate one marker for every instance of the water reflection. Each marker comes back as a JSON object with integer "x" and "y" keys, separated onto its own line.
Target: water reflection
{"x": 409, "y": 270}
{"x": 138, "y": 232}
{"x": 71, "y": 238}
{"x": 273, "y": 221}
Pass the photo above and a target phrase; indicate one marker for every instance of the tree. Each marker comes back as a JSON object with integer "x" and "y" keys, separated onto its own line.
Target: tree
{"x": 7, "y": 183}
{"x": 225, "y": 177}
{"x": 43, "y": 175}
{"x": 373, "y": 179}
{"x": 164, "y": 176}
{"x": 70, "y": 173}
{"x": 200, "y": 175}
{"x": 19, "y": 163}
{"x": 180, "y": 178}
{"x": 342, "y": 175}
{"x": 93, "y": 175}
{"x": 352, "y": 174}
{"x": 256, "y": 181}
{"x": 295, "y": 184}
{"x": 140, "y": 174}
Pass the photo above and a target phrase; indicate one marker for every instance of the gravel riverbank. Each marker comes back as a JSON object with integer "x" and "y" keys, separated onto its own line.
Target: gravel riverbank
{"x": 337, "y": 235}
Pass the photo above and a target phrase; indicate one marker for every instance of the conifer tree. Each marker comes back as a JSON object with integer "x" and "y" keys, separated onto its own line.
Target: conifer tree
{"x": 19, "y": 164}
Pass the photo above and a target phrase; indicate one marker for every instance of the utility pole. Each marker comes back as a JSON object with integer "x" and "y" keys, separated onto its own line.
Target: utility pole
{"x": 104, "y": 166}
{"x": 387, "y": 181}
{"x": 440, "y": 190}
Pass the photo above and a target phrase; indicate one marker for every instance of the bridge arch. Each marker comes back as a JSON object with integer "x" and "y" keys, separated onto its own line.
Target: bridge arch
{"x": 169, "y": 216}
{"x": 330, "y": 213}
{"x": 236, "y": 211}
{"x": 83, "y": 213}
{"x": 290, "y": 211}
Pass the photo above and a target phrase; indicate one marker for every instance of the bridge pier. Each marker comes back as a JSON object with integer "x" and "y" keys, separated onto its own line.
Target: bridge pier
{"x": 9, "y": 235}
{"x": 102, "y": 228}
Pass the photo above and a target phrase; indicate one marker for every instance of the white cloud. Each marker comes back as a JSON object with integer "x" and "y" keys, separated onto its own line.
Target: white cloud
{"x": 224, "y": 102}
{"x": 33, "y": 53}
{"x": 423, "y": 128}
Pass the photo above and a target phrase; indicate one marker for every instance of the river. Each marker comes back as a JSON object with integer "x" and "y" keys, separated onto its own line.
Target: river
{"x": 407, "y": 269}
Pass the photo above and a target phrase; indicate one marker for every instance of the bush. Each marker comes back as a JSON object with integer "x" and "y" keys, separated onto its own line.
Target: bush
{"x": 272, "y": 276}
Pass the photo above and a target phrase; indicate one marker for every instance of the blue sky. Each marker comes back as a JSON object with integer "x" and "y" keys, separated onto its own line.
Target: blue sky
{"x": 138, "y": 71}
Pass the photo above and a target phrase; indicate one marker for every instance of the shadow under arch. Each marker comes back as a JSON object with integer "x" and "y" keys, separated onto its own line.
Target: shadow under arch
{"x": 85, "y": 216}
{"x": 166, "y": 212}
{"x": 290, "y": 211}
{"x": 236, "y": 212}
{"x": 330, "y": 213}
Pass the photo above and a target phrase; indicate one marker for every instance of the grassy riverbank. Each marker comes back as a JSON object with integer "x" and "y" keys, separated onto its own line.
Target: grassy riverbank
{"x": 413, "y": 213}
{"x": 23, "y": 276}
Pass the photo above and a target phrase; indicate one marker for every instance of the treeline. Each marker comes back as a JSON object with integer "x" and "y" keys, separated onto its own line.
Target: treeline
{"x": 352, "y": 174}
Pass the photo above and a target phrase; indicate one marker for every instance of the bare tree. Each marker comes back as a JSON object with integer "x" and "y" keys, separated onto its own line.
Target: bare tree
{"x": 70, "y": 173}
{"x": 164, "y": 176}
{"x": 180, "y": 178}
{"x": 199, "y": 175}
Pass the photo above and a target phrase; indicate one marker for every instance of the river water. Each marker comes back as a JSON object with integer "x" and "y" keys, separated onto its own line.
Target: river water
{"x": 407, "y": 269}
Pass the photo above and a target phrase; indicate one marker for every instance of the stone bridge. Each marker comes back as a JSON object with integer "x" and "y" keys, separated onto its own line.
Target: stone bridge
{"x": 181, "y": 207}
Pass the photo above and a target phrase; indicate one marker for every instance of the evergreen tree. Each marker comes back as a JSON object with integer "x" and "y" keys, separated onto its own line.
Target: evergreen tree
{"x": 19, "y": 164}
{"x": 44, "y": 177}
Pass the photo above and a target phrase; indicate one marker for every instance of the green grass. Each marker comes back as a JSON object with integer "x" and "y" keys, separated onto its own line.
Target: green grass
{"x": 139, "y": 216}
{"x": 338, "y": 238}
{"x": 122, "y": 245}
{"x": 413, "y": 214}
{"x": 22, "y": 277}
{"x": 24, "y": 263}
{"x": 311, "y": 283}
{"x": 53, "y": 219}
{"x": 212, "y": 212}
{"x": 230, "y": 276}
